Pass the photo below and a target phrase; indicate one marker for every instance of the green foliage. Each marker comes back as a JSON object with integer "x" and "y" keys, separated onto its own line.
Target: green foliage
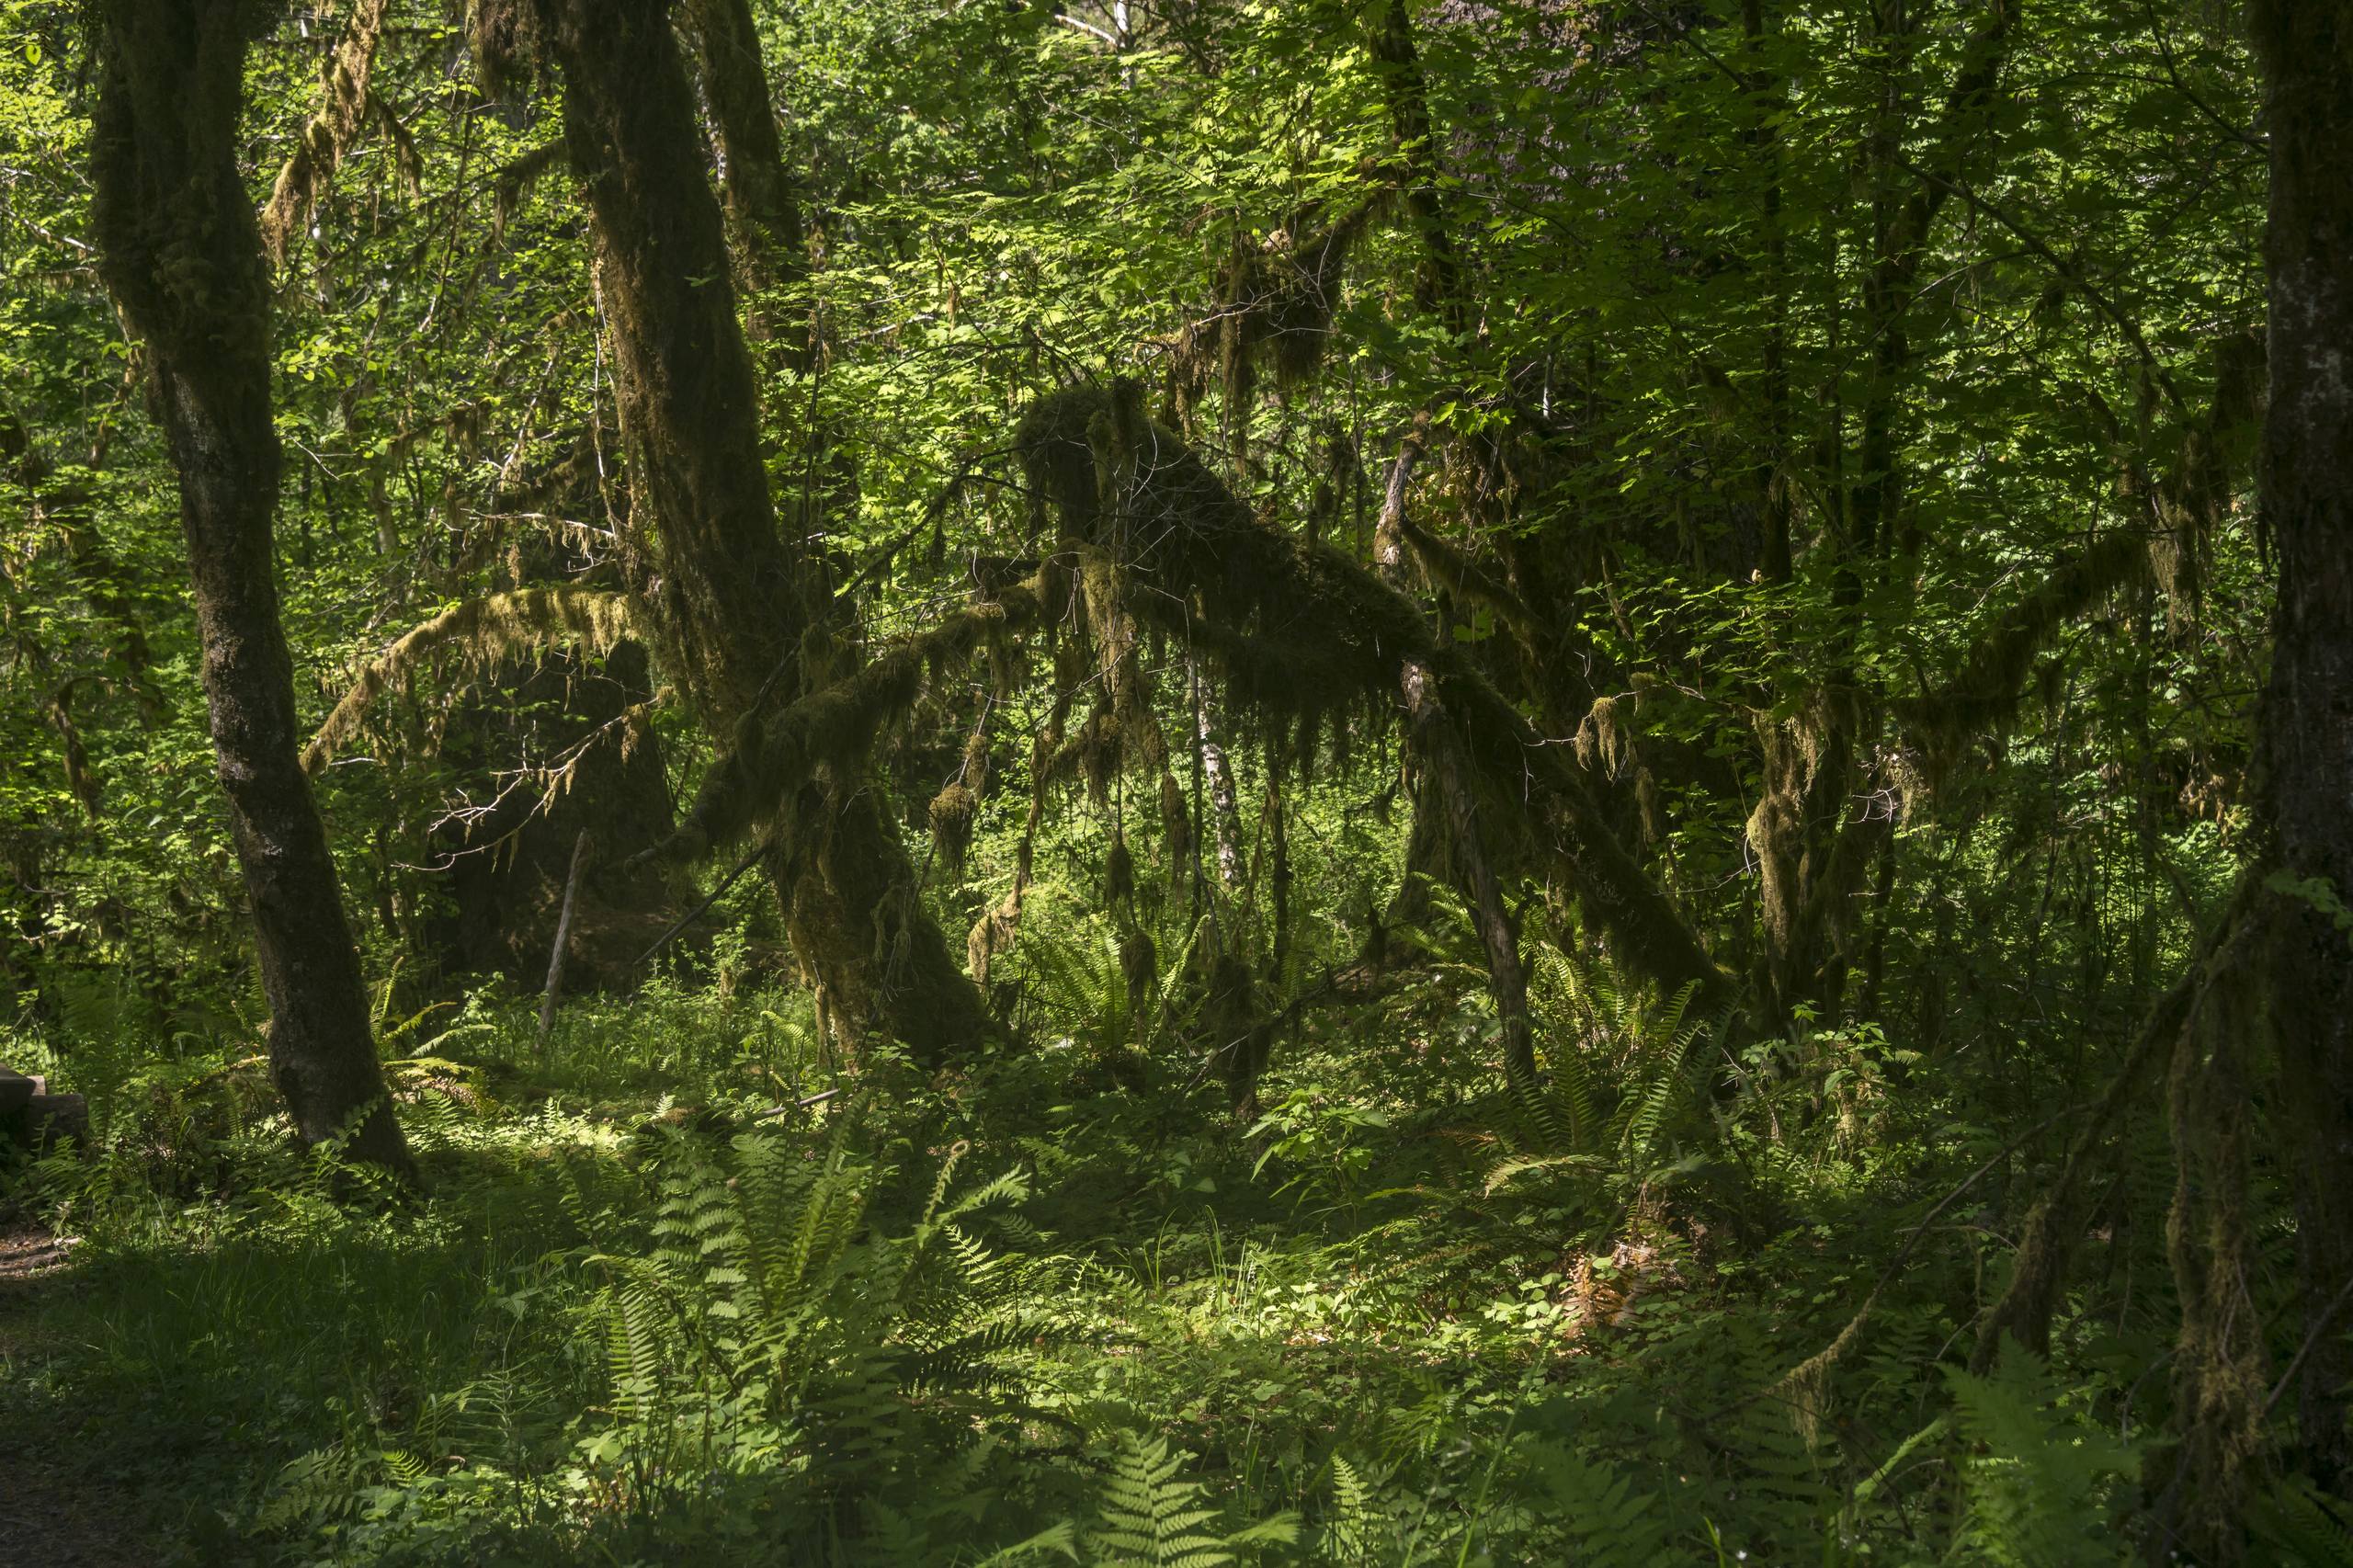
{"x": 2038, "y": 1487}
{"x": 1149, "y": 1518}
{"x": 2303, "y": 1527}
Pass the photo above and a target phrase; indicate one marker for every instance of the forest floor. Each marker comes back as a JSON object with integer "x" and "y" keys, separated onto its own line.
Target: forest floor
{"x": 60, "y": 1514}
{"x": 1010, "y": 1310}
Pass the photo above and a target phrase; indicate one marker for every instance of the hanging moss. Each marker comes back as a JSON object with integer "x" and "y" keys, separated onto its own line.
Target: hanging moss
{"x": 332, "y": 127}
{"x": 482, "y": 633}
{"x": 1097, "y": 752}
{"x": 1140, "y": 964}
{"x": 991, "y": 936}
{"x": 503, "y": 38}
{"x": 1275, "y": 301}
{"x": 1302, "y": 629}
{"x": 514, "y": 181}
{"x": 1651, "y": 806}
{"x": 775, "y": 755}
{"x": 1176, "y": 823}
{"x": 1605, "y": 740}
{"x": 1118, "y": 872}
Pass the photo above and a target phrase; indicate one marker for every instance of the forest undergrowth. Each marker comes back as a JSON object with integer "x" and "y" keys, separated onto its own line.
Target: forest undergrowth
{"x": 681, "y": 1288}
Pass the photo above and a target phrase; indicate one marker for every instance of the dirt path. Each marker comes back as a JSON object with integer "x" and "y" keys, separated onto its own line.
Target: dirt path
{"x": 58, "y": 1515}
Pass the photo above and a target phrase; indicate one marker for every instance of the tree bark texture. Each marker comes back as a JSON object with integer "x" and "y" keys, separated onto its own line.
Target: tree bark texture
{"x": 182, "y": 253}
{"x": 754, "y": 181}
{"x": 2306, "y": 746}
{"x": 1433, "y": 732}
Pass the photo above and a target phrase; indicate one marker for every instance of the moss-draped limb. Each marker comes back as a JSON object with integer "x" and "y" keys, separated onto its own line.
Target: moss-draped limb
{"x": 332, "y": 127}
{"x": 1303, "y": 630}
{"x": 514, "y": 181}
{"x": 2061, "y": 1215}
{"x": 1454, "y": 570}
{"x": 1275, "y": 301}
{"x": 775, "y": 755}
{"x": 483, "y": 631}
{"x": 2181, "y": 506}
{"x": 1985, "y": 694}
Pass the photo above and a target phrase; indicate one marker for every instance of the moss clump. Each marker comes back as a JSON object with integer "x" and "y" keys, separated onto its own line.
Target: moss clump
{"x": 1139, "y": 965}
{"x": 1118, "y": 872}
{"x": 1238, "y": 1038}
{"x": 1275, "y": 299}
{"x": 1176, "y": 822}
{"x": 951, "y": 826}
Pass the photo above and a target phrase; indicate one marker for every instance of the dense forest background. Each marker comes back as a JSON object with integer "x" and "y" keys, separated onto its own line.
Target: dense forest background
{"x": 1179, "y": 781}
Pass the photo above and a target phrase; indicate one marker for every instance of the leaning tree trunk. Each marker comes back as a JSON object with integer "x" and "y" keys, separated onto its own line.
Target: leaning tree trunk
{"x": 182, "y": 253}
{"x": 2306, "y": 488}
{"x": 748, "y": 616}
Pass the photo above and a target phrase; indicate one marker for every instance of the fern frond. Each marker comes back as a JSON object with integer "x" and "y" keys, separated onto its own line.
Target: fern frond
{"x": 2303, "y": 1527}
{"x": 2037, "y": 1489}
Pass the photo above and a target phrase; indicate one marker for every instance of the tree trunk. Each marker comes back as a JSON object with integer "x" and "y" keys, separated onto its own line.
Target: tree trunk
{"x": 2306, "y": 748}
{"x": 754, "y": 181}
{"x": 181, "y": 251}
{"x": 738, "y": 597}
{"x": 1498, "y": 933}
{"x": 504, "y": 872}
{"x": 1217, "y": 772}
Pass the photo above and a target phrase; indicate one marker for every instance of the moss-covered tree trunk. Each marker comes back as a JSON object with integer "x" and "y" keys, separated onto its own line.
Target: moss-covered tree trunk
{"x": 741, "y": 601}
{"x": 2306, "y": 487}
{"x": 754, "y": 181}
{"x": 181, "y": 251}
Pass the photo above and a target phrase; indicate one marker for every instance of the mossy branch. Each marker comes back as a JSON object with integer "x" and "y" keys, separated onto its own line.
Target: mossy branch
{"x": 484, "y": 630}
{"x": 1453, "y": 570}
{"x": 1985, "y": 695}
{"x": 514, "y": 181}
{"x": 1304, "y": 631}
{"x": 2061, "y": 1216}
{"x": 775, "y": 754}
{"x": 332, "y": 127}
